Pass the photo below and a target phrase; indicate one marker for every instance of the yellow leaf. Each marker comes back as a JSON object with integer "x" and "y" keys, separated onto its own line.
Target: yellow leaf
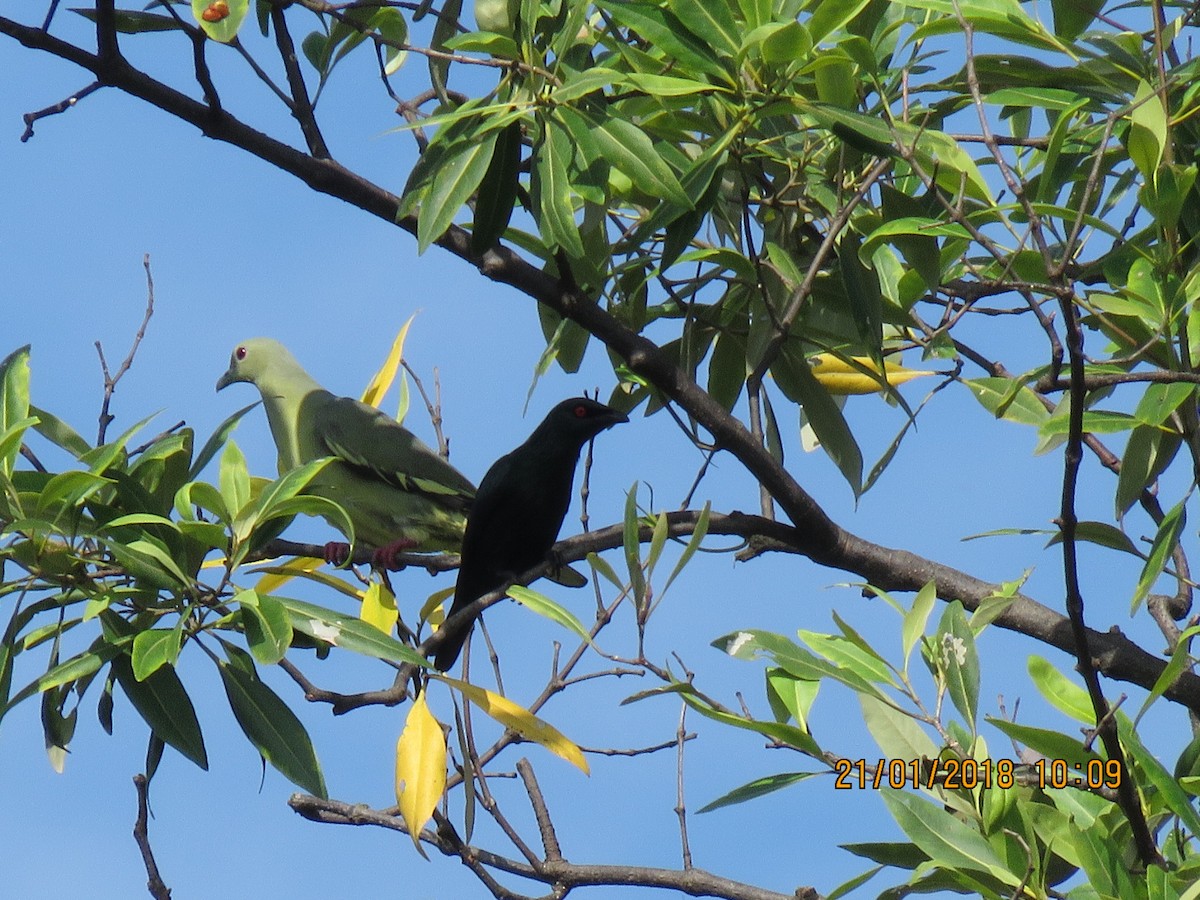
{"x": 293, "y": 569}
{"x": 383, "y": 378}
{"x": 420, "y": 768}
{"x": 433, "y": 611}
{"x": 281, "y": 575}
{"x": 521, "y": 720}
{"x": 852, "y": 376}
{"x": 379, "y": 608}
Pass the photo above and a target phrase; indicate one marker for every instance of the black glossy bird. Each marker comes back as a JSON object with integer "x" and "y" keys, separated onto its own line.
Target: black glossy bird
{"x": 519, "y": 508}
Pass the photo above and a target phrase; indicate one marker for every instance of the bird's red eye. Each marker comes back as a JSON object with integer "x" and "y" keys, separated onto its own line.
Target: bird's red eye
{"x": 240, "y": 353}
{"x": 580, "y": 411}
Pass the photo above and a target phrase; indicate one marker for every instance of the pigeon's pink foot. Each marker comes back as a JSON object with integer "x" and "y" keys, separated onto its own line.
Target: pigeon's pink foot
{"x": 385, "y": 557}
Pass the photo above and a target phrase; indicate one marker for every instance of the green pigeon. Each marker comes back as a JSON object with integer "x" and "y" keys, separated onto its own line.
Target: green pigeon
{"x": 398, "y": 493}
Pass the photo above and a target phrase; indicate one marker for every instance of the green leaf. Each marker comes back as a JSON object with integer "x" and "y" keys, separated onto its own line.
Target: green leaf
{"x": 551, "y": 191}
{"x": 1147, "y": 454}
{"x": 853, "y": 655}
{"x": 727, "y": 369}
{"x": 220, "y": 19}
{"x": 712, "y": 21}
{"x": 277, "y": 500}
{"x": 600, "y": 565}
{"x": 455, "y": 181}
{"x": 916, "y": 618}
{"x": 947, "y": 841}
{"x": 1165, "y": 541}
{"x": 1180, "y": 660}
{"x": 1006, "y": 398}
{"x": 959, "y": 660}
{"x": 693, "y": 544}
{"x": 829, "y": 17}
{"x": 498, "y": 190}
{"x": 14, "y": 400}
{"x": 147, "y": 559}
{"x": 669, "y": 36}
{"x": 133, "y": 21}
{"x": 234, "y": 479}
{"x": 77, "y": 667}
{"x": 152, "y": 649}
{"x": 1147, "y": 131}
{"x": 273, "y": 729}
{"x": 786, "y": 734}
{"x": 1168, "y": 788}
{"x": 162, "y": 702}
{"x": 1072, "y": 17}
{"x": 1051, "y": 744}
{"x": 58, "y": 432}
{"x": 898, "y": 735}
{"x": 217, "y": 441}
{"x": 796, "y": 380}
{"x": 348, "y": 631}
{"x": 1160, "y": 400}
{"x": 629, "y": 150}
{"x": 267, "y": 625}
{"x": 750, "y": 642}
{"x": 1062, "y": 693}
{"x": 10, "y": 444}
{"x": 759, "y": 787}
{"x": 632, "y": 546}
{"x": 544, "y": 606}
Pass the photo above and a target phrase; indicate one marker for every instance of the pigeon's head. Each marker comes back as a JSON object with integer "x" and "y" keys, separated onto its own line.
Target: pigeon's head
{"x": 582, "y": 419}
{"x": 253, "y": 359}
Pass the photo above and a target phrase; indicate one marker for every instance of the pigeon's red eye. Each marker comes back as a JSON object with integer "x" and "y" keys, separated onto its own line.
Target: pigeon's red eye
{"x": 580, "y": 411}
{"x": 240, "y": 353}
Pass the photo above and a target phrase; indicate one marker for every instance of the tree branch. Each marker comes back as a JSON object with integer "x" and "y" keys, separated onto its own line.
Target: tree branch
{"x": 558, "y": 872}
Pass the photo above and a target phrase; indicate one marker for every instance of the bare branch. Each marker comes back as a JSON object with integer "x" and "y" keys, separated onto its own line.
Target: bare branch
{"x": 693, "y": 882}
{"x": 154, "y": 884}
{"x": 110, "y": 380}
{"x": 55, "y": 109}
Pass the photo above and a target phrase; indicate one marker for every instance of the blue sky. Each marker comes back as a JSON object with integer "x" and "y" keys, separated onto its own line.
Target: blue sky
{"x": 239, "y": 249}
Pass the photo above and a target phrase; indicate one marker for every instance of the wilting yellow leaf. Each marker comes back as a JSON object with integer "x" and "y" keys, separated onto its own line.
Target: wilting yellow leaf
{"x": 273, "y": 581}
{"x": 420, "y": 768}
{"x": 309, "y": 570}
{"x": 433, "y": 611}
{"x": 379, "y": 608}
{"x": 383, "y": 378}
{"x": 522, "y": 721}
{"x": 839, "y": 376}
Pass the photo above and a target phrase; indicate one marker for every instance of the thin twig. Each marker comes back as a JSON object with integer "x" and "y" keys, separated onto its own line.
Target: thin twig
{"x": 302, "y": 108}
{"x": 432, "y": 407}
{"x": 61, "y": 107}
{"x": 154, "y": 884}
{"x": 540, "y": 812}
{"x": 680, "y": 806}
{"x": 110, "y": 380}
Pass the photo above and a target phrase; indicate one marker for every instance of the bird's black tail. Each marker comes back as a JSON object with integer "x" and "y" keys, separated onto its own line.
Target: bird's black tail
{"x": 452, "y": 644}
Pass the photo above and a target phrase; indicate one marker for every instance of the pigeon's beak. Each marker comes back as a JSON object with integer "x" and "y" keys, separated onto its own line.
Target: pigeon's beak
{"x": 227, "y": 379}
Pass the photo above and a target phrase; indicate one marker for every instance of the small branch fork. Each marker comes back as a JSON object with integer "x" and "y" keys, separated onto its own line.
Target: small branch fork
{"x": 558, "y": 873}
{"x": 110, "y": 380}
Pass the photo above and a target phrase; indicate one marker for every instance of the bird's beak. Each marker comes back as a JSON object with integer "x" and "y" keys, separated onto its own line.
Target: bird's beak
{"x": 613, "y": 417}
{"x": 227, "y": 379}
